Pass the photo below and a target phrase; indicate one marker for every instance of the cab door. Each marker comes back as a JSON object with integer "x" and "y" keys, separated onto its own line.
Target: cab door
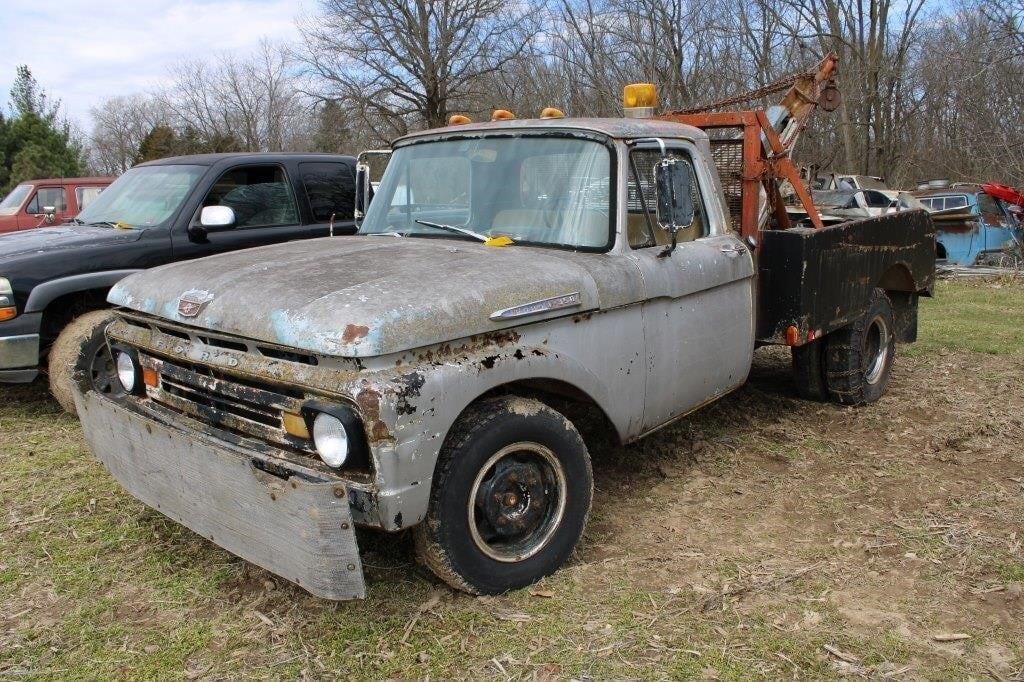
{"x": 698, "y": 312}
{"x": 33, "y": 214}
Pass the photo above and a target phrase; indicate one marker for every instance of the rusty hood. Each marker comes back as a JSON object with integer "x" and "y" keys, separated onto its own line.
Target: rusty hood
{"x": 362, "y": 296}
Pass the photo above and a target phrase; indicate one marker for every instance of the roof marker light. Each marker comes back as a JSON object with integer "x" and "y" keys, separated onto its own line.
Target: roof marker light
{"x": 502, "y": 115}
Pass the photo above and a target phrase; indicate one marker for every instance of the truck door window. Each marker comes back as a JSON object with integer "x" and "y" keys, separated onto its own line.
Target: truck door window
{"x": 330, "y": 189}
{"x": 259, "y": 195}
{"x": 877, "y": 199}
{"x": 85, "y": 195}
{"x": 47, "y": 196}
{"x": 641, "y": 202}
{"x": 990, "y": 209}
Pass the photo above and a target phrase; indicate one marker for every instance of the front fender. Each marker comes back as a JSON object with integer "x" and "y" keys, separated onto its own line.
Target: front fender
{"x": 45, "y": 293}
{"x": 410, "y": 407}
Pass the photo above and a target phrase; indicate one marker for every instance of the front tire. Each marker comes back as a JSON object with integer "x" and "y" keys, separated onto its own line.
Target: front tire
{"x": 510, "y": 499}
{"x": 80, "y": 360}
{"x": 859, "y": 357}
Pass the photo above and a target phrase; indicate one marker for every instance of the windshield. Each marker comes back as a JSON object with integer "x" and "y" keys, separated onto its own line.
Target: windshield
{"x": 10, "y": 205}
{"x": 550, "y": 191}
{"x": 143, "y": 197}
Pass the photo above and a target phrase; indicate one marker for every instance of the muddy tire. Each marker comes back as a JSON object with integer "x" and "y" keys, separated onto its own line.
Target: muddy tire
{"x": 510, "y": 498}
{"x": 80, "y": 360}
{"x": 809, "y": 370}
{"x": 859, "y": 357}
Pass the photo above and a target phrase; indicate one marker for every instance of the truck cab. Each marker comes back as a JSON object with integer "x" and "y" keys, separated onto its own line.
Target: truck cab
{"x": 970, "y": 223}
{"x": 41, "y": 203}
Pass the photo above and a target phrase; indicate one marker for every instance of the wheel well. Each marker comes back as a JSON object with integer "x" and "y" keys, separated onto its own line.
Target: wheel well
{"x": 575, "y": 404}
{"x": 898, "y": 278}
{"x": 63, "y": 309}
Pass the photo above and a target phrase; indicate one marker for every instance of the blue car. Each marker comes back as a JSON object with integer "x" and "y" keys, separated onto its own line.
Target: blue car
{"x": 969, "y": 223}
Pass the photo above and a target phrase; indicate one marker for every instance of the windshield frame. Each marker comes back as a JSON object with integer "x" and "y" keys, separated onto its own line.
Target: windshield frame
{"x": 613, "y": 179}
{"x": 201, "y": 171}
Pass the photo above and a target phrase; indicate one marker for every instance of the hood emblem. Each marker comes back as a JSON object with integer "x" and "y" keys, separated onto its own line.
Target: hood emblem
{"x": 535, "y": 307}
{"x": 191, "y": 302}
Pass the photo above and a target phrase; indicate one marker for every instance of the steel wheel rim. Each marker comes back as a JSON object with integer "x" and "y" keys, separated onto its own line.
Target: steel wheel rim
{"x": 541, "y": 522}
{"x": 876, "y": 349}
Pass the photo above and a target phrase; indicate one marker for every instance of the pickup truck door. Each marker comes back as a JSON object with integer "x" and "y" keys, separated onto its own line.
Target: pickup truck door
{"x": 271, "y": 205}
{"x": 698, "y": 313}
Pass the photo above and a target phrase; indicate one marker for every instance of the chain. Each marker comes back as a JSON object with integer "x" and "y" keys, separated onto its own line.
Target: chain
{"x": 772, "y": 87}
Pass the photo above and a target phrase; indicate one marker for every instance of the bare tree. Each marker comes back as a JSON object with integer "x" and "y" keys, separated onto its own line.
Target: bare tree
{"x": 119, "y": 124}
{"x": 256, "y": 101}
{"x": 405, "y": 63}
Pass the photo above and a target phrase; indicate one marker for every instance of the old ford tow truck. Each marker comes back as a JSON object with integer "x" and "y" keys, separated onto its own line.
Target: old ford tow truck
{"x": 420, "y": 375}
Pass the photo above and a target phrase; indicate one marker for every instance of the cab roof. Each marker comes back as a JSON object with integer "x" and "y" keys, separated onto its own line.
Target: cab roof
{"x": 615, "y": 128}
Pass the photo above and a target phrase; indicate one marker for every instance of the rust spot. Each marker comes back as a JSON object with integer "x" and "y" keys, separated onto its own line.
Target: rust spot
{"x": 368, "y": 401}
{"x": 582, "y": 317}
{"x": 354, "y": 332}
{"x": 379, "y": 431}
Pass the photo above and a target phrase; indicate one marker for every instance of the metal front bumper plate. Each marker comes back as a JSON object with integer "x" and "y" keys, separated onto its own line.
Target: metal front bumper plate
{"x": 297, "y": 528}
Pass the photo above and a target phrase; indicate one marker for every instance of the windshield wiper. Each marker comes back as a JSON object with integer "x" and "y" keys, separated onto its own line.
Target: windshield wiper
{"x": 453, "y": 228}
{"x": 384, "y": 234}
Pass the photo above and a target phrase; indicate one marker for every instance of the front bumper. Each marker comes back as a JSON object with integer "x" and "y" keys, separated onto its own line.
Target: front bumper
{"x": 298, "y": 527}
{"x": 19, "y": 349}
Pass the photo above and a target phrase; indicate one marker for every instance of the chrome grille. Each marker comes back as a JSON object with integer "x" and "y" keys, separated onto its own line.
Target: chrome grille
{"x": 240, "y": 407}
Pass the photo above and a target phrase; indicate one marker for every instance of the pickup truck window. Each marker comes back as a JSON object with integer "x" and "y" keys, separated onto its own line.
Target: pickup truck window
{"x": 11, "y": 204}
{"x": 259, "y": 195}
{"x": 145, "y": 196}
{"x": 642, "y": 229}
{"x": 86, "y": 195}
{"x": 547, "y": 191}
{"x": 47, "y": 196}
{"x": 330, "y": 188}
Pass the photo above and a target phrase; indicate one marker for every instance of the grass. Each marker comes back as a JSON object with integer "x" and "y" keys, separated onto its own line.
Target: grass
{"x": 978, "y": 316}
{"x": 94, "y": 585}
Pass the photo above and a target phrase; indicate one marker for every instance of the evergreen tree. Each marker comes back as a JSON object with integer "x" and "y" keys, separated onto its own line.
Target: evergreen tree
{"x": 35, "y": 142}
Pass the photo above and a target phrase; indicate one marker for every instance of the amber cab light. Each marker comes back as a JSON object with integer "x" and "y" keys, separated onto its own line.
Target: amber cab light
{"x": 552, "y": 112}
{"x": 639, "y": 100}
{"x": 459, "y": 120}
{"x": 502, "y": 115}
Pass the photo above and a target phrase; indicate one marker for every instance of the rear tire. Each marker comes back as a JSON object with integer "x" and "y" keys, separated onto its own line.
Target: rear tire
{"x": 80, "y": 360}
{"x": 510, "y": 498}
{"x": 809, "y": 370}
{"x": 859, "y": 357}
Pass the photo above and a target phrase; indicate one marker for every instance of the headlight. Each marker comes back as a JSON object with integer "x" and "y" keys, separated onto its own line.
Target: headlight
{"x": 330, "y": 439}
{"x": 127, "y": 371}
{"x": 8, "y": 311}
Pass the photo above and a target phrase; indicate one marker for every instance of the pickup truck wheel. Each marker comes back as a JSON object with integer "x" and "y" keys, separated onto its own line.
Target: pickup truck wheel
{"x": 80, "y": 360}
{"x": 809, "y": 370}
{"x": 510, "y": 497}
{"x": 859, "y": 356}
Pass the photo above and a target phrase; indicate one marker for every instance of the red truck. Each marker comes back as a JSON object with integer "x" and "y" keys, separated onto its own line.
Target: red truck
{"x": 27, "y": 204}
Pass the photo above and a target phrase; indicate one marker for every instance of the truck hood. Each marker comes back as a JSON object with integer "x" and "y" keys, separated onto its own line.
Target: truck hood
{"x": 363, "y": 296}
{"x": 26, "y": 242}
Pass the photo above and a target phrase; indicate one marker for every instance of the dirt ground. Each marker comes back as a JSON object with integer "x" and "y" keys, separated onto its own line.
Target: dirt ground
{"x": 763, "y": 537}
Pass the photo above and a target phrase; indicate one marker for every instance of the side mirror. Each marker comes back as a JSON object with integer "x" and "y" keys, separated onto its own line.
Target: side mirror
{"x": 49, "y": 213}
{"x": 364, "y": 191}
{"x": 212, "y": 219}
{"x": 673, "y": 180}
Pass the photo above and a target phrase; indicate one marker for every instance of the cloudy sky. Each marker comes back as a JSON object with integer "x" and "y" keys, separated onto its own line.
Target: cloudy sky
{"x": 83, "y": 51}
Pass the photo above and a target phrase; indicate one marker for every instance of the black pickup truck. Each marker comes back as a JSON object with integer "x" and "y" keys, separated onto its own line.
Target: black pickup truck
{"x": 54, "y": 281}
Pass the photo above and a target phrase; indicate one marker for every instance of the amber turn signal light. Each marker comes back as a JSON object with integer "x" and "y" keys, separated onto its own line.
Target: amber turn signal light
{"x": 150, "y": 378}
{"x": 502, "y": 115}
{"x": 295, "y": 425}
{"x": 8, "y": 313}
